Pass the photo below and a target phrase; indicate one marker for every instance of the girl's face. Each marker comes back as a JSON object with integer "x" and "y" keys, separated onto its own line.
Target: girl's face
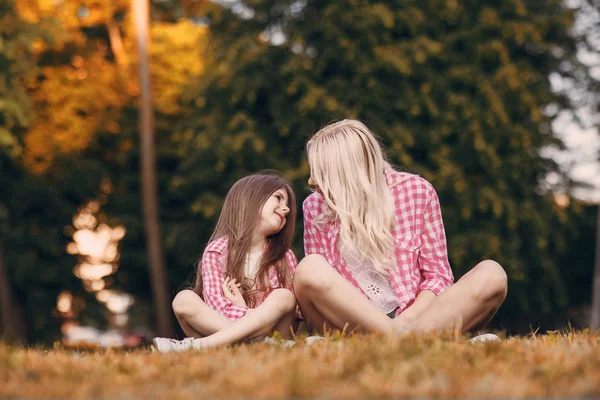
{"x": 274, "y": 212}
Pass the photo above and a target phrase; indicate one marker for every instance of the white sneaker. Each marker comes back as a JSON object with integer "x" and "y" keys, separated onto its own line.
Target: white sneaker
{"x": 313, "y": 339}
{"x": 166, "y": 345}
{"x": 486, "y": 337}
{"x": 282, "y": 343}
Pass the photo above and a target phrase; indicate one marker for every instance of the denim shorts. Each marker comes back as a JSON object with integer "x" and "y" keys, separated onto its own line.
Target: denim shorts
{"x": 392, "y": 314}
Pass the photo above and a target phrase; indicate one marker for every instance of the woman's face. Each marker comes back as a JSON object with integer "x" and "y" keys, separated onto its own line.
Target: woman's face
{"x": 312, "y": 183}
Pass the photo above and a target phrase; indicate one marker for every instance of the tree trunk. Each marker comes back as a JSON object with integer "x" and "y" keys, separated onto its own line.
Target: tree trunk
{"x": 595, "y": 311}
{"x": 158, "y": 276}
{"x": 12, "y": 324}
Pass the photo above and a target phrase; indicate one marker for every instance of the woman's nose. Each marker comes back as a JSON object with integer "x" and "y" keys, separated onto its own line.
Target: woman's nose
{"x": 311, "y": 181}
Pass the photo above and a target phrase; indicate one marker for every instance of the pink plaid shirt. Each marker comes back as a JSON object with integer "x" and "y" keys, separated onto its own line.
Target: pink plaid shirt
{"x": 421, "y": 253}
{"x": 214, "y": 263}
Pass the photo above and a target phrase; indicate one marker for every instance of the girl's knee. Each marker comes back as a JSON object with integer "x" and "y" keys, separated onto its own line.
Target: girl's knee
{"x": 285, "y": 298}
{"x": 184, "y": 302}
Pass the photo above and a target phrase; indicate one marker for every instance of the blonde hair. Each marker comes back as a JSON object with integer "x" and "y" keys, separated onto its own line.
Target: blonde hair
{"x": 347, "y": 164}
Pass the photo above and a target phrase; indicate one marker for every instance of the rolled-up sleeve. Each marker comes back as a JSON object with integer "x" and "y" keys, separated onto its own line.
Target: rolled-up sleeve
{"x": 433, "y": 258}
{"x": 292, "y": 261}
{"x": 313, "y": 243}
{"x": 212, "y": 278}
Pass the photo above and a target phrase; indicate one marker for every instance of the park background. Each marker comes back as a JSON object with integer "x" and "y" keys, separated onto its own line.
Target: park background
{"x": 494, "y": 102}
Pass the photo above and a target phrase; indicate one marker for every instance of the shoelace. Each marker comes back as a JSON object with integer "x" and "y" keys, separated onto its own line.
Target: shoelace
{"x": 181, "y": 344}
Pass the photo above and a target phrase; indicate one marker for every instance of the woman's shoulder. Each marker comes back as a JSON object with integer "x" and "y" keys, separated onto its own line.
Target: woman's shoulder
{"x": 408, "y": 183}
{"x": 313, "y": 202}
{"x": 218, "y": 245}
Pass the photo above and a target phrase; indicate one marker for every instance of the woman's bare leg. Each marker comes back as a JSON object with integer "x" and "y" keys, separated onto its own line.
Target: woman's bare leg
{"x": 326, "y": 297}
{"x": 315, "y": 322}
{"x": 257, "y": 321}
{"x": 196, "y": 318}
{"x": 469, "y": 304}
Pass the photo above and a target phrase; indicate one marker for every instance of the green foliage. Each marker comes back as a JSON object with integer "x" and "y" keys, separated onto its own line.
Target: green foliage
{"x": 455, "y": 89}
{"x": 16, "y": 65}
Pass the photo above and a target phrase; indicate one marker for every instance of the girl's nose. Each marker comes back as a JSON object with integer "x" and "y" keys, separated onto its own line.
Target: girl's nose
{"x": 285, "y": 210}
{"x": 311, "y": 181}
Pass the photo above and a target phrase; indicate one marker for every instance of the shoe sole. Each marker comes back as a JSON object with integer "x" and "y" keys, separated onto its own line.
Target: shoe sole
{"x": 485, "y": 338}
{"x": 155, "y": 347}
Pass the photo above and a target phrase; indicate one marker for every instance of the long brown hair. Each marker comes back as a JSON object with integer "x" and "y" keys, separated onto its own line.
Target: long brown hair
{"x": 239, "y": 219}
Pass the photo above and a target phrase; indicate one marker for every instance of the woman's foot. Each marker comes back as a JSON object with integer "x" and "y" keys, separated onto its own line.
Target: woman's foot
{"x": 486, "y": 337}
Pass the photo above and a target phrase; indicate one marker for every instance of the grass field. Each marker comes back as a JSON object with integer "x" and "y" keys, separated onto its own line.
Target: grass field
{"x": 556, "y": 365}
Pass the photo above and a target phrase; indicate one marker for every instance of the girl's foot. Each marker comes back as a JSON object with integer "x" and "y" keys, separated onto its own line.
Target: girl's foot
{"x": 166, "y": 345}
{"x": 313, "y": 339}
{"x": 282, "y": 342}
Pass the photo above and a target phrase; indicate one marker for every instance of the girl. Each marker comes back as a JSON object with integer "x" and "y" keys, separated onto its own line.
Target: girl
{"x": 243, "y": 286}
{"x": 375, "y": 246}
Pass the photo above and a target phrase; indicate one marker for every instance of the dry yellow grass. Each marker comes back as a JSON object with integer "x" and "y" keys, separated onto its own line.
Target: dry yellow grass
{"x": 442, "y": 366}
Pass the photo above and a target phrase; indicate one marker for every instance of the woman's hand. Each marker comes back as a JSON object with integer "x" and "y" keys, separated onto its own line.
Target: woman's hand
{"x": 231, "y": 291}
{"x": 403, "y": 320}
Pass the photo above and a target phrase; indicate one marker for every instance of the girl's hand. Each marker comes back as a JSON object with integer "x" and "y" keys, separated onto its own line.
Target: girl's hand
{"x": 231, "y": 291}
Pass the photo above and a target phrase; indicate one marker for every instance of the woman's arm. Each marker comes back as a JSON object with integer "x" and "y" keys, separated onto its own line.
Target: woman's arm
{"x": 433, "y": 255}
{"x": 433, "y": 261}
{"x": 421, "y": 303}
{"x": 313, "y": 242}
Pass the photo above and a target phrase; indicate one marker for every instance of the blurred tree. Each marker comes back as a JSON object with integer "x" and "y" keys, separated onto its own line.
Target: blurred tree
{"x": 176, "y": 54}
{"x": 16, "y": 64}
{"x": 88, "y": 75}
{"x": 458, "y": 90}
{"x": 148, "y": 180}
{"x": 84, "y": 92}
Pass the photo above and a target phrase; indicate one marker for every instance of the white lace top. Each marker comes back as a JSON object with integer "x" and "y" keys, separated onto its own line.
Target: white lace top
{"x": 251, "y": 264}
{"x": 376, "y": 285}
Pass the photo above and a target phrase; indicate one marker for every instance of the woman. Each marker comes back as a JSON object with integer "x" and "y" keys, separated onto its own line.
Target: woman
{"x": 375, "y": 245}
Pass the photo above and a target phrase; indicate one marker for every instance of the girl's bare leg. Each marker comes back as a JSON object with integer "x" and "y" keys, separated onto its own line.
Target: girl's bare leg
{"x": 196, "y": 318}
{"x": 260, "y": 320}
{"x": 326, "y": 297}
{"x": 285, "y": 325}
{"x": 469, "y": 304}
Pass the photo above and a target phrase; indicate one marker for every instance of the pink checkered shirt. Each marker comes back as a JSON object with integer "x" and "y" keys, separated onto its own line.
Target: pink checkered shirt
{"x": 214, "y": 263}
{"x": 421, "y": 253}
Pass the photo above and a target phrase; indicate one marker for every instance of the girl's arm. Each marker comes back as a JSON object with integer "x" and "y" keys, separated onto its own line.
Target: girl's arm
{"x": 433, "y": 256}
{"x": 213, "y": 277}
{"x": 293, "y": 263}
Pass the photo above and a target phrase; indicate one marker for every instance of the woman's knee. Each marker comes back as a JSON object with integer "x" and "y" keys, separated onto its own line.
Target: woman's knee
{"x": 184, "y": 302}
{"x": 311, "y": 274}
{"x": 494, "y": 282}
